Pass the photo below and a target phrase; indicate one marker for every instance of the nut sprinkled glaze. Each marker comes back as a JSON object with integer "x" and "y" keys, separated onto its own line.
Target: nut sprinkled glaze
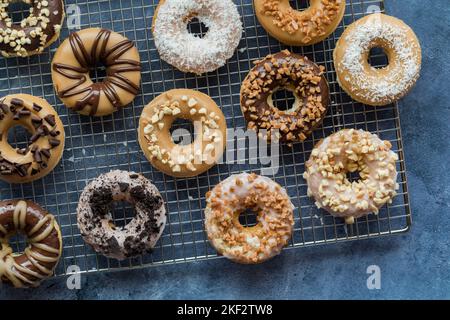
{"x": 351, "y": 151}
{"x": 34, "y": 33}
{"x": 300, "y": 28}
{"x": 248, "y": 245}
{"x": 289, "y": 71}
{"x": 46, "y": 144}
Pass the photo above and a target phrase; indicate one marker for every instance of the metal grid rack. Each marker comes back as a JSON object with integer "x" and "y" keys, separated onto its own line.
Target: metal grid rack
{"x": 95, "y": 145}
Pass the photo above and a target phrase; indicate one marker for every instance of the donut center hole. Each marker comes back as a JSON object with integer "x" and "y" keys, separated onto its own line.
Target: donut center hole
{"x": 248, "y": 218}
{"x": 98, "y": 72}
{"x": 299, "y": 5}
{"x": 284, "y": 100}
{"x": 378, "y": 58}
{"x": 18, "y": 243}
{"x": 122, "y": 213}
{"x": 353, "y": 176}
{"x": 18, "y": 10}
{"x": 197, "y": 28}
{"x": 183, "y": 132}
{"x": 19, "y": 138}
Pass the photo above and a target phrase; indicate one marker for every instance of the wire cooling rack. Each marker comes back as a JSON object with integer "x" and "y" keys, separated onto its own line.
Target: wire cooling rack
{"x": 95, "y": 146}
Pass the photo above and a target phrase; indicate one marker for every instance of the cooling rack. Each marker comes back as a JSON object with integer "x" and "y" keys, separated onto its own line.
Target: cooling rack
{"x": 97, "y": 145}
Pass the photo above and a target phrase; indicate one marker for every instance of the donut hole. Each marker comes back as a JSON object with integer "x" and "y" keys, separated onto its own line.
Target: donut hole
{"x": 248, "y": 218}
{"x": 353, "y": 176}
{"x": 18, "y": 10}
{"x": 19, "y": 137}
{"x": 378, "y": 58}
{"x": 300, "y": 5}
{"x": 284, "y": 100}
{"x": 122, "y": 212}
{"x": 18, "y": 242}
{"x": 182, "y": 132}
{"x": 98, "y": 72}
{"x": 197, "y": 28}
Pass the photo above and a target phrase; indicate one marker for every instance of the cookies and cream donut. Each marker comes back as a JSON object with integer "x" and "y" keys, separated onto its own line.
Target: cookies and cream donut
{"x": 44, "y": 249}
{"x": 95, "y": 219}
{"x": 285, "y": 71}
{"x": 46, "y": 144}
{"x": 34, "y": 33}
{"x": 235, "y": 195}
{"x": 300, "y": 28}
{"x": 184, "y": 50}
{"x": 81, "y": 52}
{"x": 349, "y": 151}
{"x": 156, "y": 140}
{"x": 370, "y": 85}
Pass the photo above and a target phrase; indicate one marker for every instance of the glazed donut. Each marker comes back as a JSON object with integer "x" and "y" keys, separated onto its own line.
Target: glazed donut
{"x": 82, "y": 51}
{"x": 187, "y": 52}
{"x": 347, "y": 151}
{"x": 300, "y": 28}
{"x": 46, "y": 143}
{"x": 179, "y": 160}
{"x": 248, "y": 245}
{"x": 39, "y": 259}
{"x": 292, "y": 72}
{"x": 96, "y": 223}
{"x": 34, "y": 33}
{"x": 370, "y": 85}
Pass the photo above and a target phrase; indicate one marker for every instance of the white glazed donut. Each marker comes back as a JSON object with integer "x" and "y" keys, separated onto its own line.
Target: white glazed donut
{"x": 187, "y": 52}
{"x": 346, "y": 151}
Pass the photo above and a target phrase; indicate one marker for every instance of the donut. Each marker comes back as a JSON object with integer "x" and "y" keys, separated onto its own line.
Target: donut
{"x": 184, "y": 50}
{"x": 95, "y": 219}
{"x": 300, "y": 28}
{"x": 157, "y": 143}
{"x": 285, "y": 71}
{"x": 369, "y": 85}
{"x": 46, "y": 144}
{"x": 34, "y": 33}
{"x": 84, "y": 50}
{"x": 235, "y": 195}
{"x": 349, "y": 151}
{"x": 39, "y": 259}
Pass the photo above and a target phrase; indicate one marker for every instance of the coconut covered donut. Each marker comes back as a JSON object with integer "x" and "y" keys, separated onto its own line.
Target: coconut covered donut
{"x": 300, "y": 28}
{"x": 345, "y": 152}
{"x": 370, "y": 85}
{"x": 34, "y": 33}
{"x": 187, "y": 52}
{"x": 46, "y": 143}
{"x": 96, "y": 223}
{"x": 249, "y": 245}
{"x": 44, "y": 250}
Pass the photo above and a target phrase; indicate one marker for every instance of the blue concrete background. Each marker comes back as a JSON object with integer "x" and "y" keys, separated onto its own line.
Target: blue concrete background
{"x": 413, "y": 266}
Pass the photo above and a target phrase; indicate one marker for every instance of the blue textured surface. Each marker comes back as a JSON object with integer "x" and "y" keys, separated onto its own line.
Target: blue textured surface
{"x": 414, "y": 265}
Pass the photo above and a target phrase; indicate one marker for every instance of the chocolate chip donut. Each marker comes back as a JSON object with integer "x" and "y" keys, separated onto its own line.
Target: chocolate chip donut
{"x": 34, "y": 33}
{"x": 292, "y": 72}
{"x": 46, "y": 146}
{"x": 95, "y": 219}
{"x": 81, "y": 52}
{"x": 40, "y": 258}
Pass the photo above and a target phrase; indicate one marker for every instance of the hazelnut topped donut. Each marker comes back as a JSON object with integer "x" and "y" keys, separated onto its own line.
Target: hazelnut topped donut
{"x": 288, "y": 71}
{"x": 46, "y": 144}
{"x": 300, "y": 28}
{"x": 81, "y": 52}
{"x": 34, "y": 33}
{"x": 44, "y": 250}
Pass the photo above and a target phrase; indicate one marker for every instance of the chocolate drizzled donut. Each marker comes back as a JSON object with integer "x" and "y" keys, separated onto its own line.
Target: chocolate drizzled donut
{"x": 80, "y": 53}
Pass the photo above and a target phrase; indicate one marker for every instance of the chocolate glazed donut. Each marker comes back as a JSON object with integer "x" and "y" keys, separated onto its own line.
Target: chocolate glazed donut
{"x": 292, "y": 72}
{"x": 40, "y": 258}
{"x": 80, "y": 53}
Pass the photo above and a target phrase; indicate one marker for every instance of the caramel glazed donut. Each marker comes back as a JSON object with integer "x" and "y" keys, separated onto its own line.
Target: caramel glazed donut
{"x": 292, "y": 72}
{"x": 370, "y": 85}
{"x": 300, "y": 28}
{"x": 249, "y": 245}
{"x": 96, "y": 223}
{"x": 157, "y": 143}
{"x": 82, "y": 51}
{"x": 184, "y": 50}
{"x": 40, "y": 258}
{"x": 346, "y": 151}
{"x": 46, "y": 142}
{"x": 34, "y": 33}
